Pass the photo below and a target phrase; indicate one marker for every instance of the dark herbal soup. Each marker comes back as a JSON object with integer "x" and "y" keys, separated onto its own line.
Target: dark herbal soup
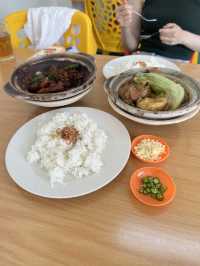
{"x": 54, "y": 78}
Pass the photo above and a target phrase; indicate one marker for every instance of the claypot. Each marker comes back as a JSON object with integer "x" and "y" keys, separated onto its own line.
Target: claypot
{"x": 191, "y": 86}
{"x": 15, "y": 88}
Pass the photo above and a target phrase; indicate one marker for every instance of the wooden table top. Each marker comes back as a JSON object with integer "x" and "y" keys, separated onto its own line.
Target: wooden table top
{"x": 108, "y": 227}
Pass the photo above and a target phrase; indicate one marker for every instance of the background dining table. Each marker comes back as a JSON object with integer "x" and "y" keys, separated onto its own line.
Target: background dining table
{"x": 108, "y": 227}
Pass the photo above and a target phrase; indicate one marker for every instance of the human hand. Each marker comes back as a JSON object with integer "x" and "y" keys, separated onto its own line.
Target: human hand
{"x": 172, "y": 34}
{"x": 124, "y": 14}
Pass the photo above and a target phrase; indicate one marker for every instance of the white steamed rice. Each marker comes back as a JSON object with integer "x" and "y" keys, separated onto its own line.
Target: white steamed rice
{"x": 64, "y": 162}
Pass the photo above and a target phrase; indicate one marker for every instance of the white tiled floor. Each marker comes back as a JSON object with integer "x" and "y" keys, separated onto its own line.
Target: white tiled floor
{"x": 9, "y": 6}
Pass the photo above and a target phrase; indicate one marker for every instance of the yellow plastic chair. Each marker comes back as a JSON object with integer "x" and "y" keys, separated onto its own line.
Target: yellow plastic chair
{"x": 80, "y": 34}
{"x": 106, "y": 28}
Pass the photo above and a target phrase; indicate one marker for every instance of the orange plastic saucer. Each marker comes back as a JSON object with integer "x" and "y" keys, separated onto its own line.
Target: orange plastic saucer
{"x": 165, "y": 179}
{"x": 163, "y": 156}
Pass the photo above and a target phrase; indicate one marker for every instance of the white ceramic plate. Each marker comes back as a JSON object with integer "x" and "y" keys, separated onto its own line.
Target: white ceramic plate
{"x": 124, "y": 63}
{"x": 34, "y": 180}
{"x": 154, "y": 122}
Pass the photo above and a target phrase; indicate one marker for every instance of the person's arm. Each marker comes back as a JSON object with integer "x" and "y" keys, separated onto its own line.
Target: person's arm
{"x": 130, "y": 23}
{"x": 191, "y": 40}
{"x": 172, "y": 34}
